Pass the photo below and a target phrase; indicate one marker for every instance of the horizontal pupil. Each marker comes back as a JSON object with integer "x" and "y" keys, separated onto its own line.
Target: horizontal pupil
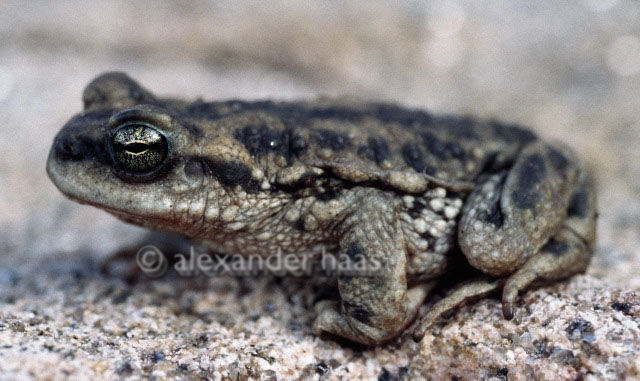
{"x": 136, "y": 147}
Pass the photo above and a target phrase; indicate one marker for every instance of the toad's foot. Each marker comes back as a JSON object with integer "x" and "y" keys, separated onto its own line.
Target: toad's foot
{"x": 463, "y": 294}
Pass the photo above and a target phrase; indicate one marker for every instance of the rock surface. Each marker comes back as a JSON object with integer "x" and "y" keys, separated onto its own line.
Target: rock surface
{"x": 571, "y": 71}
{"x": 71, "y": 321}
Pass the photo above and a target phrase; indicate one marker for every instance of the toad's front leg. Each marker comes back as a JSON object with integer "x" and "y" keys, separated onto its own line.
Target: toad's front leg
{"x": 375, "y": 307}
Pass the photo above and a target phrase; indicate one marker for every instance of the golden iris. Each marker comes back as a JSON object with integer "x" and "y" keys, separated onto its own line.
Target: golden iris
{"x": 139, "y": 148}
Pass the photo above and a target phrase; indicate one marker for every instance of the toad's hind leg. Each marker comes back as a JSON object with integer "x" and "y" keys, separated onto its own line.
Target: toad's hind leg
{"x": 511, "y": 215}
{"x": 375, "y": 306}
{"x": 535, "y": 222}
{"x": 568, "y": 252}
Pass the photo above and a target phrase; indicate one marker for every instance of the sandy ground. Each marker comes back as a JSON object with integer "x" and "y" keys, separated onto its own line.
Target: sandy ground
{"x": 569, "y": 71}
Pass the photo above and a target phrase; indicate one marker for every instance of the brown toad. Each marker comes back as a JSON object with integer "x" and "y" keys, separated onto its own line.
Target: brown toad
{"x": 400, "y": 188}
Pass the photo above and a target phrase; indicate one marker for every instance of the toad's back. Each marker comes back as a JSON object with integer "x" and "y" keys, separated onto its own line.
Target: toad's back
{"x": 362, "y": 141}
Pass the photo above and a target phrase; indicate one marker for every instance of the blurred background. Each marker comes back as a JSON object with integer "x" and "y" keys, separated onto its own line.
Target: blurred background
{"x": 569, "y": 70}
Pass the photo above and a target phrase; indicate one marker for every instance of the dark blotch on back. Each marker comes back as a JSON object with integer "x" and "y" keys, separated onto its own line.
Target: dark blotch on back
{"x": 429, "y": 170}
{"x": 512, "y": 133}
{"x": 297, "y": 145}
{"x": 461, "y": 127}
{"x": 557, "y": 248}
{"x": 532, "y": 171}
{"x": 337, "y": 113}
{"x": 579, "y": 204}
{"x": 377, "y": 150}
{"x": 331, "y": 139}
{"x": 389, "y": 113}
{"x": 233, "y": 173}
{"x": 442, "y": 150}
{"x": 260, "y": 140}
{"x": 414, "y": 157}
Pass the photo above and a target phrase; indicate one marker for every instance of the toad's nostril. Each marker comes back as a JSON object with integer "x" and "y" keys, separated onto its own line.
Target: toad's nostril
{"x": 66, "y": 149}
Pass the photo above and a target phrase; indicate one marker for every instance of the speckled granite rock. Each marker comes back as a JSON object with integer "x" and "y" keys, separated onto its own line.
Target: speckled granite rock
{"x": 570, "y": 70}
{"x": 582, "y": 329}
{"x": 78, "y": 323}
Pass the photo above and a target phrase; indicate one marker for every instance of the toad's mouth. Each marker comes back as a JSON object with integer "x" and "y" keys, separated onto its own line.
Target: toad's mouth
{"x": 92, "y": 184}
{"x": 157, "y": 222}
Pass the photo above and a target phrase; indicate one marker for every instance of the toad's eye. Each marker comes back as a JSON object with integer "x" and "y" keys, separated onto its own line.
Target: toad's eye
{"x": 139, "y": 148}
